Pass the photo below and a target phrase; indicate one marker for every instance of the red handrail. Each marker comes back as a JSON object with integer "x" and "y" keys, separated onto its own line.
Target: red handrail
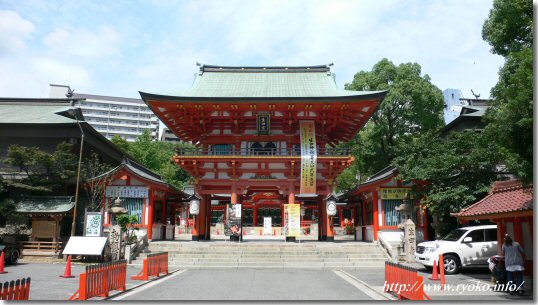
{"x": 18, "y": 290}
{"x": 100, "y": 279}
{"x": 154, "y": 265}
{"x": 405, "y": 282}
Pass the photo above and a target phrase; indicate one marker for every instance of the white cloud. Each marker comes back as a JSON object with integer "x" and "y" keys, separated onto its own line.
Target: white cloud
{"x": 14, "y": 30}
{"x": 83, "y": 42}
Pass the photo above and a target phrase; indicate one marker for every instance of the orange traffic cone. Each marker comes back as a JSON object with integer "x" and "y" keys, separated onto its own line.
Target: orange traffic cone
{"x": 442, "y": 267}
{"x": 2, "y": 263}
{"x": 435, "y": 274}
{"x": 67, "y": 273}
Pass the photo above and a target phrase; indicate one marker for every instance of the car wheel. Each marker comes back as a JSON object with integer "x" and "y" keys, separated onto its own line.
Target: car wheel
{"x": 14, "y": 257}
{"x": 452, "y": 264}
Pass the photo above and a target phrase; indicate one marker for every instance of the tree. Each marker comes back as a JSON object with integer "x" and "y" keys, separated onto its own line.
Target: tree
{"x": 509, "y": 26}
{"x": 412, "y": 106}
{"x": 509, "y": 30}
{"x": 157, "y": 156}
{"x": 43, "y": 172}
{"x": 95, "y": 188}
{"x": 458, "y": 169}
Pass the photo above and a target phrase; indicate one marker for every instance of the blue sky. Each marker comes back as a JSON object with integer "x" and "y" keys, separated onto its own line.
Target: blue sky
{"x": 120, "y": 47}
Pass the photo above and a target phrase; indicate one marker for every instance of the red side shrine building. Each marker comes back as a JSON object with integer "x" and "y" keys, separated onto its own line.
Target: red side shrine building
{"x": 264, "y": 137}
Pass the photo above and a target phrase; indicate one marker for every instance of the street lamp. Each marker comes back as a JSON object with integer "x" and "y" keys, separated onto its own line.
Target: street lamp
{"x": 74, "y": 113}
{"x": 194, "y": 204}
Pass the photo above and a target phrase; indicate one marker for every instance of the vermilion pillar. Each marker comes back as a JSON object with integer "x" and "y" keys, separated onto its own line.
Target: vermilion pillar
{"x": 202, "y": 218}
{"x": 150, "y": 216}
{"x": 376, "y": 213}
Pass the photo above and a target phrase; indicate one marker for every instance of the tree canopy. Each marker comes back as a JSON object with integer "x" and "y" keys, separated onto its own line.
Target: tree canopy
{"x": 458, "y": 169}
{"x": 509, "y": 26}
{"x": 509, "y": 31}
{"x": 157, "y": 156}
{"x": 44, "y": 172}
{"x": 412, "y": 106}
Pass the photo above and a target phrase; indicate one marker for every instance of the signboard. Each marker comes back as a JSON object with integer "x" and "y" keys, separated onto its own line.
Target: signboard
{"x": 267, "y": 225}
{"x": 292, "y": 220}
{"x": 84, "y": 245}
{"x": 263, "y": 123}
{"x": 309, "y": 157}
{"x": 232, "y": 226}
{"x": 127, "y": 191}
{"x": 93, "y": 224}
{"x": 393, "y": 193}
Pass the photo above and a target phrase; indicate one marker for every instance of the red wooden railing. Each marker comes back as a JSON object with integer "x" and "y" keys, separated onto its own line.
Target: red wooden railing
{"x": 18, "y": 290}
{"x": 405, "y": 282}
{"x": 154, "y": 265}
{"x": 100, "y": 279}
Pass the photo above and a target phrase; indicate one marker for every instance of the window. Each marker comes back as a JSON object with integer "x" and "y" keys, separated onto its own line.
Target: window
{"x": 392, "y": 217}
{"x": 491, "y": 234}
{"x": 274, "y": 213}
{"x": 248, "y": 217}
{"x": 217, "y": 216}
{"x": 477, "y": 235}
{"x": 134, "y": 206}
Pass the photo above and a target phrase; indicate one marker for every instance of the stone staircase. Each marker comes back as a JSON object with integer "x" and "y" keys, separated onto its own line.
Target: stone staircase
{"x": 319, "y": 255}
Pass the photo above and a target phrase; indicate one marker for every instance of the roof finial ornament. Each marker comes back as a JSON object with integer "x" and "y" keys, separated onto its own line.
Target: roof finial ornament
{"x": 476, "y": 96}
{"x": 70, "y": 92}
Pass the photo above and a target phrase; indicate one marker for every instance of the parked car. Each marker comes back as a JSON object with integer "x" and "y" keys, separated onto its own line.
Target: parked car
{"x": 467, "y": 246}
{"x": 12, "y": 253}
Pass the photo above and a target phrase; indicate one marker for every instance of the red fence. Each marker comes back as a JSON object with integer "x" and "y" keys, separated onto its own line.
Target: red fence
{"x": 18, "y": 290}
{"x": 100, "y": 279}
{"x": 154, "y": 265}
{"x": 405, "y": 282}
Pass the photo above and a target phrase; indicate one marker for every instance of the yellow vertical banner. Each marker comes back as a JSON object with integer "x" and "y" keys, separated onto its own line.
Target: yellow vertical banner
{"x": 309, "y": 157}
{"x": 292, "y": 220}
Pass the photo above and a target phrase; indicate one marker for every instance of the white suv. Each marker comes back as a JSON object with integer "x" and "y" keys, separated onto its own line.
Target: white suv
{"x": 468, "y": 246}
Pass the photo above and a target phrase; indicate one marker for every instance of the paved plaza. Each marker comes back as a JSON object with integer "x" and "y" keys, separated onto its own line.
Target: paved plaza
{"x": 252, "y": 284}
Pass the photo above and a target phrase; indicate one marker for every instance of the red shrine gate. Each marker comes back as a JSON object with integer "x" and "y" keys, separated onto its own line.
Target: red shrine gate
{"x": 245, "y": 124}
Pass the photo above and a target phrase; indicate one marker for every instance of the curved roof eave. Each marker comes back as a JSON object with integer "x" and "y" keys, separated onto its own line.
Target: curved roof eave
{"x": 358, "y": 97}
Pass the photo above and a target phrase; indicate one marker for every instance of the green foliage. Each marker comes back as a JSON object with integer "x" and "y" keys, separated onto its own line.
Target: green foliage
{"x": 509, "y": 30}
{"x": 125, "y": 221}
{"x": 459, "y": 169}
{"x": 45, "y": 172}
{"x": 157, "y": 156}
{"x": 412, "y": 106}
{"x": 509, "y": 26}
{"x": 120, "y": 142}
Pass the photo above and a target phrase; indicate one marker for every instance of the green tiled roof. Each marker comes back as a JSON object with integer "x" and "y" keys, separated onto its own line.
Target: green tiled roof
{"x": 34, "y": 113}
{"x": 268, "y": 82}
{"x": 45, "y": 204}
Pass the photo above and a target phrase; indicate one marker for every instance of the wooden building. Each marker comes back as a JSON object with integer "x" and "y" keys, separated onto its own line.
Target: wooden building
{"x": 248, "y": 124}
{"x": 145, "y": 195}
{"x": 375, "y": 201}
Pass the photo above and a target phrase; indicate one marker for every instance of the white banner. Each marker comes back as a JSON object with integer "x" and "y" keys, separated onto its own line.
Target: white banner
{"x": 309, "y": 157}
{"x": 267, "y": 225}
{"x": 127, "y": 191}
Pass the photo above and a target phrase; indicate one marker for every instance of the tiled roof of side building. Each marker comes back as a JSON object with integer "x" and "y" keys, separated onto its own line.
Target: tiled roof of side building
{"x": 505, "y": 197}
{"x": 35, "y": 111}
{"x": 267, "y": 82}
{"x": 45, "y": 204}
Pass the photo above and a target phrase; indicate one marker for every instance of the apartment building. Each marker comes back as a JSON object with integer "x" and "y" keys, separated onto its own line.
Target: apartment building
{"x": 110, "y": 115}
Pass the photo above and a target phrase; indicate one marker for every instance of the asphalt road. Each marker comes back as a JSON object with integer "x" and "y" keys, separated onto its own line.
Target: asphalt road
{"x": 251, "y": 285}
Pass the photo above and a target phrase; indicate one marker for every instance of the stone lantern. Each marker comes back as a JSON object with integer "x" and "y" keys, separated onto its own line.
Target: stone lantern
{"x": 115, "y": 235}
